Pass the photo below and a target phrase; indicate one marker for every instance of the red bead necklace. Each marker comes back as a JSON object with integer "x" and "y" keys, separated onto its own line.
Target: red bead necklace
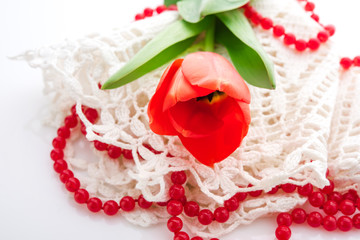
{"x": 325, "y": 199}
{"x": 290, "y": 39}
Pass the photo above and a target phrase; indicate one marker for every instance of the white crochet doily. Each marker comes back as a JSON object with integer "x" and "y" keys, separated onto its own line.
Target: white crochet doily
{"x": 309, "y": 123}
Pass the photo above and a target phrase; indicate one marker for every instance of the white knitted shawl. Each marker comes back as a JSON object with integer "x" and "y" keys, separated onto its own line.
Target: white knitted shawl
{"x": 311, "y": 122}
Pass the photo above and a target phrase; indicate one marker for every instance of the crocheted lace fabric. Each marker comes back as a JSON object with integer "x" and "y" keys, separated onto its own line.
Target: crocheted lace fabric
{"x": 309, "y": 123}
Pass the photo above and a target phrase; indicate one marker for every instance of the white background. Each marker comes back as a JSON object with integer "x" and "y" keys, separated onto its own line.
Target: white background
{"x": 33, "y": 203}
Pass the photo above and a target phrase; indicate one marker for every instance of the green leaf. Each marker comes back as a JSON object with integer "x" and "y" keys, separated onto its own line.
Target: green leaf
{"x": 194, "y": 10}
{"x": 167, "y": 45}
{"x": 170, "y": 2}
{"x": 246, "y": 53}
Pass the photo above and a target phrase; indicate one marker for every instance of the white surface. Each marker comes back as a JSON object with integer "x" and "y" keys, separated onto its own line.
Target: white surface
{"x": 33, "y": 203}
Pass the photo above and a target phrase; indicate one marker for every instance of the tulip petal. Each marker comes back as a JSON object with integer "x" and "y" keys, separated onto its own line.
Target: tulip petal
{"x": 194, "y": 118}
{"x": 221, "y": 143}
{"x": 213, "y": 71}
{"x": 180, "y": 90}
{"x": 158, "y": 119}
{"x": 246, "y": 112}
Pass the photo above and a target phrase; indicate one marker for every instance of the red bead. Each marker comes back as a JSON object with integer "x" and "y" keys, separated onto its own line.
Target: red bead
{"x": 197, "y": 238}
{"x": 148, "y": 12}
{"x": 331, "y": 207}
{"x": 289, "y": 39}
{"x": 60, "y": 165}
{"x": 248, "y": 12}
{"x": 83, "y": 128}
{"x": 347, "y": 207}
{"x": 72, "y": 184}
{"x": 284, "y": 219}
{"x": 346, "y": 62}
{"x": 351, "y": 195}
{"x": 283, "y": 233}
{"x": 160, "y": 9}
{"x": 344, "y": 223}
{"x": 56, "y": 154}
{"x": 65, "y": 175}
{"x": 191, "y": 209}
{"x": 313, "y": 43}
{"x": 63, "y": 132}
{"x": 127, "y": 203}
{"x": 173, "y": 7}
{"x": 323, "y": 36}
{"x": 314, "y": 219}
{"x": 255, "y": 193}
{"x": 241, "y": 196}
{"x": 336, "y": 196}
{"x": 273, "y": 190}
{"x": 317, "y": 199}
{"x": 329, "y": 188}
{"x": 330, "y": 29}
{"x": 143, "y": 203}
{"x": 205, "y": 217}
{"x": 94, "y": 204}
{"x": 231, "y": 204}
{"x": 278, "y": 30}
{"x": 300, "y": 45}
{"x": 178, "y": 177}
{"x": 266, "y": 23}
{"x": 329, "y": 223}
{"x": 100, "y": 146}
{"x": 114, "y": 151}
{"x": 298, "y": 215}
{"x": 176, "y": 191}
{"x": 288, "y": 187}
{"x": 221, "y": 214}
{"x": 358, "y": 203}
{"x": 91, "y": 114}
{"x": 59, "y": 143}
{"x": 111, "y": 207}
{"x": 81, "y": 196}
{"x": 181, "y": 236}
{"x": 256, "y": 18}
{"x": 139, "y": 16}
{"x": 71, "y": 121}
{"x": 315, "y": 17}
{"x": 73, "y": 110}
{"x": 127, "y": 153}
{"x": 174, "y": 207}
{"x": 162, "y": 204}
{"x": 174, "y": 224}
{"x": 357, "y": 61}
{"x": 305, "y": 190}
{"x": 183, "y": 200}
{"x": 356, "y": 221}
{"x": 309, "y": 6}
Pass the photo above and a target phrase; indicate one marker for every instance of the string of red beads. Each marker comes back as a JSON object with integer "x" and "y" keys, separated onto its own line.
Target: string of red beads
{"x": 72, "y": 184}
{"x": 330, "y": 202}
{"x": 327, "y": 199}
{"x": 149, "y": 12}
{"x": 290, "y": 39}
{"x": 347, "y": 62}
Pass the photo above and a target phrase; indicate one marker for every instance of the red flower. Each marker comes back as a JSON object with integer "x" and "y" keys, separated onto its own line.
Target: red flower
{"x": 203, "y": 100}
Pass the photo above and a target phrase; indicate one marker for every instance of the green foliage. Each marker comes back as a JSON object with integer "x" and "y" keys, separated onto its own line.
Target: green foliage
{"x": 168, "y": 44}
{"x": 235, "y": 33}
{"x": 170, "y": 2}
{"x": 194, "y": 10}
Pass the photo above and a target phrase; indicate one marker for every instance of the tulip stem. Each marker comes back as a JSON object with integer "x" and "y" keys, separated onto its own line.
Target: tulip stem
{"x": 210, "y": 37}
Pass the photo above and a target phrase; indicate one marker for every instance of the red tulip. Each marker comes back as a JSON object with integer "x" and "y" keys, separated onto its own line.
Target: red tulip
{"x": 203, "y": 100}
